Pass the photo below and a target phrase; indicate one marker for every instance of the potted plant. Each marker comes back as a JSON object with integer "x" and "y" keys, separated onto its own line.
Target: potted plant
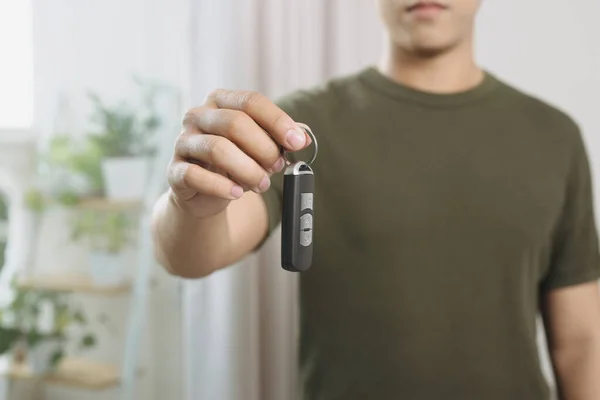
{"x": 107, "y": 235}
{"x": 70, "y": 167}
{"x": 126, "y": 138}
{"x": 35, "y": 326}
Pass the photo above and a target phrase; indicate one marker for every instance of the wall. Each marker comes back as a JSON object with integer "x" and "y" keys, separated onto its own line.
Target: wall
{"x": 99, "y": 45}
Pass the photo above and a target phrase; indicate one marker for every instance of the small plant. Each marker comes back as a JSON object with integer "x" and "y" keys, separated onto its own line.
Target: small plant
{"x": 81, "y": 156}
{"x": 122, "y": 131}
{"x": 108, "y": 232}
{"x": 35, "y": 201}
{"x": 71, "y": 166}
{"x": 68, "y": 168}
{"x": 19, "y": 322}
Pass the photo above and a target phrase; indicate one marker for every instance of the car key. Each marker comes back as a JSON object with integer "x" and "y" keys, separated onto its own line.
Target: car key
{"x": 297, "y": 219}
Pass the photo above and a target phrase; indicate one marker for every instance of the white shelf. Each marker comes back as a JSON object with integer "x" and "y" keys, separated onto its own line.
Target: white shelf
{"x": 73, "y": 372}
{"x": 73, "y": 284}
{"x": 104, "y": 204}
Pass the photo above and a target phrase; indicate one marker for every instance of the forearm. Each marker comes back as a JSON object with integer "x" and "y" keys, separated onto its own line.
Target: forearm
{"x": 577, "y": 368}
{"x": 189, "y": 246}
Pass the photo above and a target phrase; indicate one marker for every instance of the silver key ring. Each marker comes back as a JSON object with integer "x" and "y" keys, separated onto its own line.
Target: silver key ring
{"x": 310, "y": 133}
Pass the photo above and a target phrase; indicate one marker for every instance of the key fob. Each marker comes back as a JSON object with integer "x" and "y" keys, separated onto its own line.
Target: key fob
{"x": 297, "y": 218}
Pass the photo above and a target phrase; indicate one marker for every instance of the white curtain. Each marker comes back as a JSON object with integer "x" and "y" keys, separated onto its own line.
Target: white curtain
{"x": 241, "y": 327}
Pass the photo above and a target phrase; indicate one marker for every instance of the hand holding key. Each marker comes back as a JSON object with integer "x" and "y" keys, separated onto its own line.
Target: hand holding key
{"x": 230, "y": 144}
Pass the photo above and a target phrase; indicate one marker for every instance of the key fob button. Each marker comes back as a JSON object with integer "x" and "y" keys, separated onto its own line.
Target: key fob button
{"x": 305, "y": 238}
{"x": 306, "y": 222}
{"x": 306, "y": 201}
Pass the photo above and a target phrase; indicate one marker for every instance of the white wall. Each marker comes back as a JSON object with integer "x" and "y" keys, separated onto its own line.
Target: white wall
{"x": 98, "y": 45}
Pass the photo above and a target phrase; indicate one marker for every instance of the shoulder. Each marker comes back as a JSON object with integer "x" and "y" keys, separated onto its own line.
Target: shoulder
{"x": 549, "y": 119}
{"x": 552, "y": 128}
{"x": 321, "y": 102}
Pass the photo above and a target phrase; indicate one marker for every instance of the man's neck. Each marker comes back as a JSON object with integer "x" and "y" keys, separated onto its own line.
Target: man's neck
{"x": 450, "y": 72}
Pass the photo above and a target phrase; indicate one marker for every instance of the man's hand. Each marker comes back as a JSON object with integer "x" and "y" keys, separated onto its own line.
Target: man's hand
{"x": 230, "y": 144}
{"x": 572, "y": 319}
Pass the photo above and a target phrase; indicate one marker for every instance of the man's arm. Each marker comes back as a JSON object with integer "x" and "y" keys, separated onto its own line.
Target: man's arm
{"x": 213, "y": 213}
{"x": 194, "y": 247}
{"x": 572, "y": 319}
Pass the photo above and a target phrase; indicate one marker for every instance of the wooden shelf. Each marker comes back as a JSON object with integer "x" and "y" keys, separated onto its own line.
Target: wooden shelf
{"x": 104, "y": 204}
{"x": 72, "y": 283}
{"x": 73, "y": 372}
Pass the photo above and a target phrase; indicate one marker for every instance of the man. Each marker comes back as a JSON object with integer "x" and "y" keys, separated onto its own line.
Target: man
{"x": 449, "y": 209}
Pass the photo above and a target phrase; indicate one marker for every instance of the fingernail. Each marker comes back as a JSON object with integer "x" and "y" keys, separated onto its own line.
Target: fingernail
{"x": 263, "y": 185}
{"x": 296, "y": 139}
{"x": 237, "y": 192}
{"x": 278, "y": 166}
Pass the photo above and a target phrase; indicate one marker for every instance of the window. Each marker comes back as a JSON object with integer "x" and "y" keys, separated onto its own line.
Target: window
{"x": 16, "y": 64}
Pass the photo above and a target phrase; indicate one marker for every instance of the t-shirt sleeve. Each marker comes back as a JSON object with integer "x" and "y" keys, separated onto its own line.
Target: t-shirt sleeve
{"x": 575, "y": 258}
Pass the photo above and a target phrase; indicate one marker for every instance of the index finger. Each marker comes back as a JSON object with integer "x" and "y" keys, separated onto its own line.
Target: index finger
{"x": 265, "y": 113}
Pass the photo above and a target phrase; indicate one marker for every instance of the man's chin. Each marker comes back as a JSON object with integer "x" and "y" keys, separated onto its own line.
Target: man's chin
{"x": 430, "y": 49}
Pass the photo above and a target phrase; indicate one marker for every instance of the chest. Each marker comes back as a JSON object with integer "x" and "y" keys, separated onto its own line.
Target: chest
{"x": 438, "y": 179}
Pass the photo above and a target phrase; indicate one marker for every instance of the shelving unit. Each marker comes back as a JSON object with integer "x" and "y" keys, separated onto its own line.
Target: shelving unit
{"x": 74, "y": 372}
{"x": 87, "y": 374}
{"x": 81, "y": 373}
{"x": 73, "y": 284}
{"x": 103, "y": 204}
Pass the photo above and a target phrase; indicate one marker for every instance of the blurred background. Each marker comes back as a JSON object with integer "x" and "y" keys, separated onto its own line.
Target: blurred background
{"x": 91, "y": 98}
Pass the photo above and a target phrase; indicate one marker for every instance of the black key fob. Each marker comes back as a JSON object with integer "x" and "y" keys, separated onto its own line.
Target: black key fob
{"x": 298, "y": 217}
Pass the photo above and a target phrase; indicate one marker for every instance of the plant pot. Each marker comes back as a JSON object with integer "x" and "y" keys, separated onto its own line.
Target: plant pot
{"x": 107, "y": 269}
{"x": 125, "y": 178}
{"x": 39, "y": 358}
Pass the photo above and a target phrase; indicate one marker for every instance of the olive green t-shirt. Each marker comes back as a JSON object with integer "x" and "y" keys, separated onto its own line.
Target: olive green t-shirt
{"x": 439, "y": 220}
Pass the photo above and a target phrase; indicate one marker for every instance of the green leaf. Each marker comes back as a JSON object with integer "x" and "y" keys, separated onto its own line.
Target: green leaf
{"x": 33, "y": 338}
{"x": 88, "y": 341}
{"x": 3, "y": 207}
{"x": 68, "y": 198}
{"x": 152, "y": 123}
{"x": 60, "y": 149}
{"x": 19, "y": 301}
{"x": 34, "y": 200}
{"x": 62, "y": 318}
{"x": 79, "y": 317}
{"x": 8, "y": 338}
{"x": 55, "y": 358}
